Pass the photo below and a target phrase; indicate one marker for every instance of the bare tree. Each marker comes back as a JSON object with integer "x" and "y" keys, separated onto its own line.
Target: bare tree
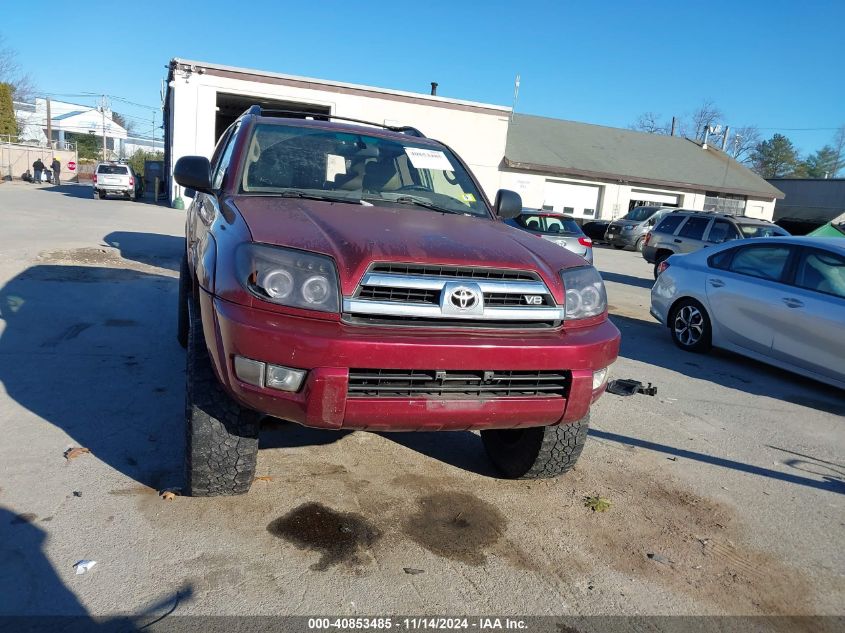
{"x": 11, "y": 73}
{"x": 650, "y": 122}
{"x": 839, "y": 151}
{"x": 742, "y": 142}
{"x": 707, "y": 114}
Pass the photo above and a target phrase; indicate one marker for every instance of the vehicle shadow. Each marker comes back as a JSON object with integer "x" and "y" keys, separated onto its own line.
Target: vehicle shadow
{"x": 153, "y": 249}
{"x": 93, "y": 351}
{"x": 461, "y": 449}
{"x": 649, "y": 342}
{"x": 33, "y": 596}
{"x": 85, "y": 190}
{"x": 629, "y": 280}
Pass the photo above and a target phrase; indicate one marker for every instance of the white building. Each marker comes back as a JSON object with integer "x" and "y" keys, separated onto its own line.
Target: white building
{"x": 132, "y": 144}
{"x": 591, "y": 171}
{"x": 67, "y": 118}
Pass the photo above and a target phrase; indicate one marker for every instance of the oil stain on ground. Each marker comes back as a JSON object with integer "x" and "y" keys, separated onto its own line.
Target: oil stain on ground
{"x": 337, "y": 536}
{"x": 456, "y": 526}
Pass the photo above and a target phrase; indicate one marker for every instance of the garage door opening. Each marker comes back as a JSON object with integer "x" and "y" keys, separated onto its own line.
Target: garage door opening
{"x": 230, "y": 107}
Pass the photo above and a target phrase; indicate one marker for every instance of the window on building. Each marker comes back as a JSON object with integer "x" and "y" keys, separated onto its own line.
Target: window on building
{"x": 569, "y": 210}
{"x": 724, "y": 203}
{"x": 589, "y": 212}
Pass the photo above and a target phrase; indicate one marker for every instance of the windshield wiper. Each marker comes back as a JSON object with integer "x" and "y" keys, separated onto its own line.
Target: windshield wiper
{"x": 298, "y": 193}
{"x": 420, "y": 202}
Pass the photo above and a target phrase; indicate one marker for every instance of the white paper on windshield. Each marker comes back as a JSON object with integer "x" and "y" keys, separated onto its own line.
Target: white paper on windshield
{"x": 428, "y": 159}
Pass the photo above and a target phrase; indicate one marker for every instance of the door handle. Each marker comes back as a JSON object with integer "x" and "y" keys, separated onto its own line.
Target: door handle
{"x": 793, "y": 303}
{"x": 716, "y": 283}
{"x": 677, "y": 241}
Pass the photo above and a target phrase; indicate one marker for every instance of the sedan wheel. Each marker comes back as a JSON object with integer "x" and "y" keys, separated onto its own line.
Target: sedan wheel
{"x": 690, "y": 326}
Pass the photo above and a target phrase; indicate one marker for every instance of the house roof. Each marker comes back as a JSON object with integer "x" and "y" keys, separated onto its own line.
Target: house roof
{"x": 67, "y": 115}
{"x": 563, "y": 147}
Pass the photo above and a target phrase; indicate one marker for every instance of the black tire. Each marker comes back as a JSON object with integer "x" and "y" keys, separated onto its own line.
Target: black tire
{"x": 659, "y": 259}
{"x": 690, "y": 326}
{"x": 185, "y": 295}
{"x": 536, "y": 453}
{"x": 222, "y": 436}
{"x": 639, "y": 245}
{"x": 618, "y": 247}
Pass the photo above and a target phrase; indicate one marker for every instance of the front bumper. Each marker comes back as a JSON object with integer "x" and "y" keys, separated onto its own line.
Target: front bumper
{"x": 327, "y": 349}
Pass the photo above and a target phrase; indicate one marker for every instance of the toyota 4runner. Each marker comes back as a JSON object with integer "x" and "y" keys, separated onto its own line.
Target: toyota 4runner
{"x": 355, "y": 277}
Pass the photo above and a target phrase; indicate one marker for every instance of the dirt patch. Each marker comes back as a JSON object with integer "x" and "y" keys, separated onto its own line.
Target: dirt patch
{"x": 337, "y": 537}
{"x": 456, "y": 525}
{"x": 99, "y": 261}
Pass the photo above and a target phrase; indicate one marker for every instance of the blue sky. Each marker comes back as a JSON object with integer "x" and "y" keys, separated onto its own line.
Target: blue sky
{"x": 772, "y": 63}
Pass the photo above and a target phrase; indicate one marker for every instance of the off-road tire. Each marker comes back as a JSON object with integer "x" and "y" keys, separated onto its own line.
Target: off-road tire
{"x": 222, "y": 436}
{"x": 705, "y": 341}
{"x": 185, "y": 295}
{"x": 536, "y": 453}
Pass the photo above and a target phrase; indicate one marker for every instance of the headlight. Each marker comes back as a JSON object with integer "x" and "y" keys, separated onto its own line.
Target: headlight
{"x": 289, "y": 277}
{"x": 585, "y": 293}
{"x": 627, "y": 228}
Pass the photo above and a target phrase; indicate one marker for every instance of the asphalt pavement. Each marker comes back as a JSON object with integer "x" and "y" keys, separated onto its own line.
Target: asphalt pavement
{"x": 726, "y": 489}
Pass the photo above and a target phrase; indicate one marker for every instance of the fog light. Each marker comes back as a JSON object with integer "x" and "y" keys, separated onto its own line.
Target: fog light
{"x": 250, "y": 371}
{"x": 284, "y": 378}
{"x": 599, "y": 376}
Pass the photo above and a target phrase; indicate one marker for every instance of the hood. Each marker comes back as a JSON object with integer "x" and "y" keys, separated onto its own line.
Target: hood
{"x": 355, "y": 236}
{"x": 621, "y": 222}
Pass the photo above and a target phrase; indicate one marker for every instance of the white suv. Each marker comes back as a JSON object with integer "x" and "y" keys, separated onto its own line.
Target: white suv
{"x": 115, "y": 179}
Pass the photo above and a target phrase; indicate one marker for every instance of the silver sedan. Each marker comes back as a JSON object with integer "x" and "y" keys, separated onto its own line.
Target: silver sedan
{"x": 778, "y": 300}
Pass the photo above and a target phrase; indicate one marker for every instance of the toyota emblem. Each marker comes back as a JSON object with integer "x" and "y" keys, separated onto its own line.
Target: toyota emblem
{"x": 463, "y": 298}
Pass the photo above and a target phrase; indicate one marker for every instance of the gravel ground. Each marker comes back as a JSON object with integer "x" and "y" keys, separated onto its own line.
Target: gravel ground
{"x": 726, "y": 488}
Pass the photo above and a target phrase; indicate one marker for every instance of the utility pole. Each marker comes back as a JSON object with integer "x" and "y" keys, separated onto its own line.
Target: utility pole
{"x": 672, "y": 132}
{"x": 49, "y": 125}
{"x": 103, "y": 112}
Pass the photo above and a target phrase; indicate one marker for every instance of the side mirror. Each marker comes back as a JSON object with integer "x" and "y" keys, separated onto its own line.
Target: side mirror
{"x": 193, "y": 172}
{"x": 508, "y": 204}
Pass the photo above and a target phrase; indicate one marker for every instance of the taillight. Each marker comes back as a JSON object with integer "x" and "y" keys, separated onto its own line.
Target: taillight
{"x": 585, "y": 241}
{"x": 661, "y": 267}
{"x": 93, "y": 177}
{"x": 131, "y": 181}
{"x": 646, "y": 238}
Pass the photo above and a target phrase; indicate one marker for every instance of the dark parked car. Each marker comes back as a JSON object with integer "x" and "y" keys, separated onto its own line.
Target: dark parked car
{"x": 559, "y": 229}
{"x": 352, "y": 277}
{"x": 595, "y": 230}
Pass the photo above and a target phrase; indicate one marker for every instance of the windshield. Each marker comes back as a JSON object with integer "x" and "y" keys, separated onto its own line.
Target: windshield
{"x": 113, "y": 169}
{"x": 762, "y": 230}
{"x": 638, "y": 214}
{"x": 350, "y": 167}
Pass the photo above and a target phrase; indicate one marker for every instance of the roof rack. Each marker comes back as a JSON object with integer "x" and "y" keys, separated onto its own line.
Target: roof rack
{"x": 257, "y": 110}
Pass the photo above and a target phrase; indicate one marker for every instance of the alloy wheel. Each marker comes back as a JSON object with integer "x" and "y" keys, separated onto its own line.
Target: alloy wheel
{"x": 689, "y": 325}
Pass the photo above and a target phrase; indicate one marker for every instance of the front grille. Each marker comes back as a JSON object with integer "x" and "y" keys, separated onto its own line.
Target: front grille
{"x": 399, "y": 295}
{"x": 439, "y": 322}
{"x": 451, "y": 384}
{"x": 459, "y": 272}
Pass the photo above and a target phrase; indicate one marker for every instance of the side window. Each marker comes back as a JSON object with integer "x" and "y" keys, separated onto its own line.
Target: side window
{"x": 722, "y": 231}
{"x": 669, "y": 224}
{"x": 823, "y": 272}
{"x": 721, "y": 261}
{"x": 764, "y": 262}
{"x": 222, "y": 162}
{"x": 694, "y": 228}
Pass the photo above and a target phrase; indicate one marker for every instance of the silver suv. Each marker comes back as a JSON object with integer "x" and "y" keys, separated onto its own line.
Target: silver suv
{"x": 631, "y": 229}
{"x": 688, "y": 231}
{"x": 115, "y": 179}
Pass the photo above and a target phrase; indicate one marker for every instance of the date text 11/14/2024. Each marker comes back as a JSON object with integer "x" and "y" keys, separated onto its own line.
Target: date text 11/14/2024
{"x": 416, "y": 623}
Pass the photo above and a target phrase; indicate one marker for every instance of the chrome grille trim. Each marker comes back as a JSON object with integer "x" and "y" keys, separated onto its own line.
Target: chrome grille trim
{"x": 411, "y": 296}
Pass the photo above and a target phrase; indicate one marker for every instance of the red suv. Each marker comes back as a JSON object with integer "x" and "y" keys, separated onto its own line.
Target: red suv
{"x": 355, "y": 277}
